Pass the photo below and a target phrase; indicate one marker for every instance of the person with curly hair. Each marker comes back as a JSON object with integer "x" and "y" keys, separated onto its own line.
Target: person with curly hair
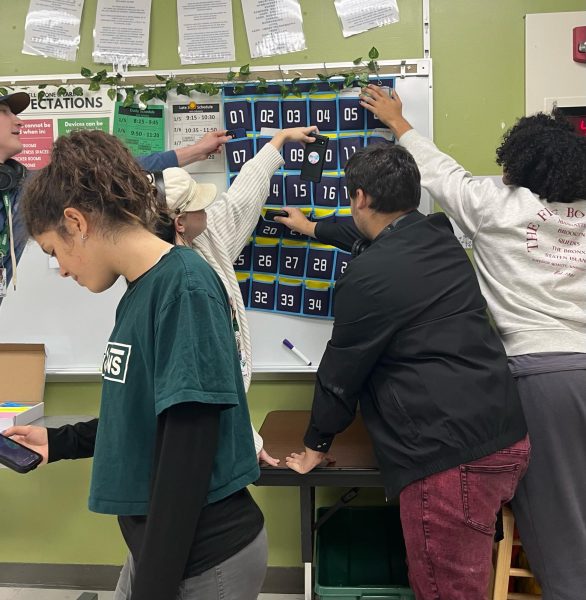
{"x": 173, "y": 448}
{"x": 529, "y": 242}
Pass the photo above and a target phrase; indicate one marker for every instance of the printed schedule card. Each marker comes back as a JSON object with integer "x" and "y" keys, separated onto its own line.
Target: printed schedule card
{"x": 143, "y": 131}
{"x": 191, "y": 121}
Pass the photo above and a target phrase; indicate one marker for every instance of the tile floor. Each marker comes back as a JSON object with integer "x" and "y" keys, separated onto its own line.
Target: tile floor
{"x": 7, "y": 593}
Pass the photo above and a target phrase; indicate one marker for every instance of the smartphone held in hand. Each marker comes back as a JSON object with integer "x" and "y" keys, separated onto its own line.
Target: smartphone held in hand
{"x": 17, "y": 457}
{"x": 313, "y": 161}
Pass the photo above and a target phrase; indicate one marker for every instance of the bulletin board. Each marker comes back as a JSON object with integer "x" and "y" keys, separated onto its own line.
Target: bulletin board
{"x": 297, "y": 274}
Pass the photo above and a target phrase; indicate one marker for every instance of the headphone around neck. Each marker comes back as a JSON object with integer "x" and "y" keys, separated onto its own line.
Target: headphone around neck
{"x": 11, "y": 175}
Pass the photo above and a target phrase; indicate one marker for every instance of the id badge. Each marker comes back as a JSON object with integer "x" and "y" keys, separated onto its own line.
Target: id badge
{"x": 3, "y": 286}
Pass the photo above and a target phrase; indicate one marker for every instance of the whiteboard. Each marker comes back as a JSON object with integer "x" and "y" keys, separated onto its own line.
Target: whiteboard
{"x": 74, "y": 324}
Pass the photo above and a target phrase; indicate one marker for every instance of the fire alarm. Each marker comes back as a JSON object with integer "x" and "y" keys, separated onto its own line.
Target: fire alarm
{"x": 579, "y": 46}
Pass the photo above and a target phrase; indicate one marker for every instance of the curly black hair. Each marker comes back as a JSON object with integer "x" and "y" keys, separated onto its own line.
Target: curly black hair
{"x": 544, "y": 154}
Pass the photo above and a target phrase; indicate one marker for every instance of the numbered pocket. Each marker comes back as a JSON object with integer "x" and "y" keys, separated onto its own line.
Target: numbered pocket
{"x": 262, "y": 292}
{"x": 261, "y": 142}
{"x": 326, "y": 192}
{"x": 347, "y": 147}
{"x": 269, "y": 229}
{"x": 324, "y": 114}
{"x": 244, "y": 261}
{"x": 320, "y": 262}
{"x": 289, "y": 294}
{"x": 238, "y": 115}
{"x": 294, "y": 113}
{"x": 292, "y": 259}
{"x": 276, "y": 195}
{"x": 244, "y": 285}
{"x": 344, "y": 195}
{"x": 342, "y": 262}
{"x": 237, "y": 153}
{"x": 265, "y": 255}
{"x": 293, "y": 153}
{"x": 316, "y": 299}
{"x": 297, "y": 192}
{"x": 266, "y": 114}
{"x": 352, "y": 115}
{"x": 331, "y": 157}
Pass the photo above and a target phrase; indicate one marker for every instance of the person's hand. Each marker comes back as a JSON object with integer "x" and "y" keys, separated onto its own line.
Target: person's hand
{"x": 388, "y": 108}
{"x": 297, "y": 221}
{"x": 307, "y": 461}
{"x": 264, "y": 456}
{"x": 210, "y": 143}
{"x": 32, "y": 437}
{"x": 294, "y": 134}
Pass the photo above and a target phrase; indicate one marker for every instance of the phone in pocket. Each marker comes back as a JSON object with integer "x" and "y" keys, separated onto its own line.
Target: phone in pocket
{"x": 271, "y": 213}
{"x": 17, "y": 457}
{"x": 314, "y": 159}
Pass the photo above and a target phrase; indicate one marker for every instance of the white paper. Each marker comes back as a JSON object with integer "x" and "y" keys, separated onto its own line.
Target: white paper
{"x": 273, "y": 26}
{"x": 358, "y": 16}
{"x": 121, "y": 35}
{"x": 52, "y": 28}
{"x": 206, "y": 31}
{"x": 192, "y": 119}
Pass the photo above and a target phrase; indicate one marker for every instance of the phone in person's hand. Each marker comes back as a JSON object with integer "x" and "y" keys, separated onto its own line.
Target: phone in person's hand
{"x": 17, "y": 457}
{"x": 313, "y": 161}
{"x": 239, "y": 132}
{"x": 271, "y": 213}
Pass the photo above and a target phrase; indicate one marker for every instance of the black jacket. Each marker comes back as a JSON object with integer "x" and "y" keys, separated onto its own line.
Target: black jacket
{"x": 413, "y": 344}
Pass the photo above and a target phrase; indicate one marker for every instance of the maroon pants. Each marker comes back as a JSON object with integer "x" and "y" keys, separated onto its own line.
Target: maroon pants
{"x": 449, "y": 523}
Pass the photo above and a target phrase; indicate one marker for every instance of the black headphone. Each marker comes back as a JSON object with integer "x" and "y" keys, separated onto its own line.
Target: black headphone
{"x": 158, "y": 181}
{"x": 361, "y": 244}
{"x": 164, "y": 226}
{"x": 11, "y": 175}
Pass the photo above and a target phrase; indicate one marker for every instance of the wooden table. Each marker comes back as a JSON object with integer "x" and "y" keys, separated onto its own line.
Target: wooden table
{"x": 355, "y": 467}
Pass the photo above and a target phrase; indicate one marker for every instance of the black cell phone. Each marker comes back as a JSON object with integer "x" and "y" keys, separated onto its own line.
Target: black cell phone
{"x": 239, "y": 132}
{"x": 313, "y": 161}
{"x": 271, "y": 213}
{"x": 17, "y": 457}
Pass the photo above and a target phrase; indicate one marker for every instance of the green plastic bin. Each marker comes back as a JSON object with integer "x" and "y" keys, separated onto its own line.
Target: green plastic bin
{"x": 360, "y": 553}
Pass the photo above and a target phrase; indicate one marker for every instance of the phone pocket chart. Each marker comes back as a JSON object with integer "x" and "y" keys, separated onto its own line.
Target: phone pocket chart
{"x": 280, "y": 270}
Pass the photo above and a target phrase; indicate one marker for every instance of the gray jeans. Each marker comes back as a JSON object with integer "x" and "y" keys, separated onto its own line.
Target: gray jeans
{"x": 550, "y": 502}
{"x": 240, "y": 577}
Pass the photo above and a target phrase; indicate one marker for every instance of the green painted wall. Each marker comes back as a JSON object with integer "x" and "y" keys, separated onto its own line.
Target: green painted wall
{"x": 478, "y": 52}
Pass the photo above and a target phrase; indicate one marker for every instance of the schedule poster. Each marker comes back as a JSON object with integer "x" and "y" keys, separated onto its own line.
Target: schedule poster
{"x": 192, "y": 119}
{"x": 50, "y": 115}
{"x": 143, "y": 131}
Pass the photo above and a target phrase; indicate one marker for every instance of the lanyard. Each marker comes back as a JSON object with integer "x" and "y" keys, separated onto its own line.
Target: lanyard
{"x": 4, "y": 234}
{"x": 7, "y": 242}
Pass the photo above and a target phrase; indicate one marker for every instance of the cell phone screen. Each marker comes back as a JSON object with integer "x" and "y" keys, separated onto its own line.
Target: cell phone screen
{"x": 17, "y": 456}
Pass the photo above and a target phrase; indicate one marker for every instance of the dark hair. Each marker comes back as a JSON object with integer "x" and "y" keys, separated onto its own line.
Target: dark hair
{"x": 544, "y": 154}
{"x": 95, "y": 173}
{"x": 165, "y": 225}
{"x": 388, "y": 174}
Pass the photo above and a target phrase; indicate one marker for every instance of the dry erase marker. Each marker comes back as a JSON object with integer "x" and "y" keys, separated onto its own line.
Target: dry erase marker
{"x": 297, "y": 352}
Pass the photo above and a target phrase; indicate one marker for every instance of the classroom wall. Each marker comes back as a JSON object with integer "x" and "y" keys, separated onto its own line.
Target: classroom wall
{"x": 478, "y": 53}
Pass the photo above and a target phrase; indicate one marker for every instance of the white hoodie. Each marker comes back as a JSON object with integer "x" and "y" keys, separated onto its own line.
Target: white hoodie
{"x": 530, "y": 254}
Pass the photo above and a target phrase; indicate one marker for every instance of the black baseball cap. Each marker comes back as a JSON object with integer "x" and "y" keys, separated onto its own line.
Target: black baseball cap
{"x": 17, "y": 102}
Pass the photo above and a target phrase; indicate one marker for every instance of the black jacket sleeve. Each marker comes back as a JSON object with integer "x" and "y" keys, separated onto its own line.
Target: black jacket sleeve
{"x": 72, "y": 441}
{"x": 187, "y": 441}
{"x": 342, "y": 235}
{"x": 363, "y": 328}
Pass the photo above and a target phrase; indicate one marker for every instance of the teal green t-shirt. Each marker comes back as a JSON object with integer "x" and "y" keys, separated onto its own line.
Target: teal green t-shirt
{"x": 172, "y": 342}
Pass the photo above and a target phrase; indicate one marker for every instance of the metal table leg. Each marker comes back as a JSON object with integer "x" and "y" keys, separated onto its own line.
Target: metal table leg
{"x": 307, "y": 498}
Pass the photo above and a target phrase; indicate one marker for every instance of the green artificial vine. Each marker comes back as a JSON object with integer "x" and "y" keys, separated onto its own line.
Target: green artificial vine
{"x": 241, "y": 79}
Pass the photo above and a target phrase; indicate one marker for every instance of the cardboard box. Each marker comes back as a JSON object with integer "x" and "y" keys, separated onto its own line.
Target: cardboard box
{"x": 22, "y": 381}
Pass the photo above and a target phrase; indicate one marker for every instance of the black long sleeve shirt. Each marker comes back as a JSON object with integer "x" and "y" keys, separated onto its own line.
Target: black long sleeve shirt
{"x": 181, "y": 536}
